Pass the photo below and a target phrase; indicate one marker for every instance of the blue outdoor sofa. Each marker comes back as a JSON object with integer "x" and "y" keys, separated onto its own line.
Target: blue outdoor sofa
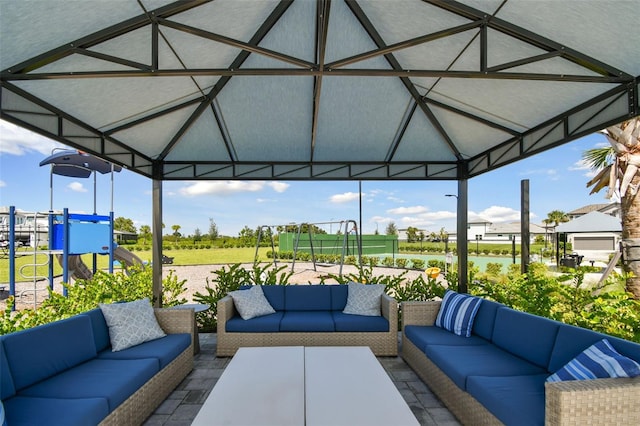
{"x": 65, "y": 373}
{"x": 310, "y": 315}
{"x": 498, "y": 374}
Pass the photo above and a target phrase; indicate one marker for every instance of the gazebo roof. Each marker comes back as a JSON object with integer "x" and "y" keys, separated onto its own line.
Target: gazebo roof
{"x": 318, "y": 90}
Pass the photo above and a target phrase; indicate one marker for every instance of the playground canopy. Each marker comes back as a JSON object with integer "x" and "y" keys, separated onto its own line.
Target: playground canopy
{"x": 318, "y": 89}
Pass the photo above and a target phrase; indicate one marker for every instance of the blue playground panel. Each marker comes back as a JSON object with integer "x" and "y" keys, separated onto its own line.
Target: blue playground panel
{"x": 87, "y": 234}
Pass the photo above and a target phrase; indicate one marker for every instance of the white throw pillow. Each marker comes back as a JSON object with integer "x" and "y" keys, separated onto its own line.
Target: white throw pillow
{"x": 131, "y": 323}
{"x": 251, "y": 303}
{"x": 364, "y": 299}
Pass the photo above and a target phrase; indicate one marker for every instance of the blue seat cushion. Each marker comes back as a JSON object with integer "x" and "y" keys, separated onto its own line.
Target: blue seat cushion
{"x": 7, "y": 389}
{"x": 348, "y": 322}
{"x": 275, "y": 296}
{"x": 485, "y": 319}
{"x": 46, "y": 350}
{"x": 460, "y": 362}
{"x": 307, "y": 321}
{"x": 115, "y": 380}
{"x": 514, "y": 400}
{"x": 339, "y": 295}
{"x": 514, "y": 331}
{"x": 307, "y": 298}
{"x": 100, "y": 329}
{"x": 264, "y": 324}
{"x": 423, "y": 335}
{"x": 22, "y": 410}
{"x": 573, "y": 340}
{"x": 165, "y": 349}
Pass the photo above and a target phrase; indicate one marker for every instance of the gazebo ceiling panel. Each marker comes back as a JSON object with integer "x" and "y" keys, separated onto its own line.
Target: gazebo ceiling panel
{"x": 401, "y": 20}
{"x": 596, "y": 28}
{"x": 367, "y": 112}
{"x": 522, "y": 102}
{"x": 231, "y": 18}
{"x": 151, "y": 137}
{"x": 104, "y": 102}
{"x": 268, "y": 119}
{"x": 202, "y": 140}
{"x": 318, "y": 90}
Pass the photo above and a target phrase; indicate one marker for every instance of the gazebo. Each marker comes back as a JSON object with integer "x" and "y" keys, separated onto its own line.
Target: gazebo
{"x": 317, "y": 89}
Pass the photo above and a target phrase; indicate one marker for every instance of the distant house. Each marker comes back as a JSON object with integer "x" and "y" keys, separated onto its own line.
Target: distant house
{"x": 612, "y": 209}
{"x": 488, "y": 232}
{"x": 594, "y": 235}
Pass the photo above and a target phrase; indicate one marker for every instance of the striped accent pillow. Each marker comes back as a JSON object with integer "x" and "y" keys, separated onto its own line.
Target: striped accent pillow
{"x": 598, "y": 361}
{"x": 457, "y": 312}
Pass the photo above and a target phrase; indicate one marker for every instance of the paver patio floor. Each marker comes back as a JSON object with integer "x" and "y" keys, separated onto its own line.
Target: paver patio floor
{"x": 182, "y": 406}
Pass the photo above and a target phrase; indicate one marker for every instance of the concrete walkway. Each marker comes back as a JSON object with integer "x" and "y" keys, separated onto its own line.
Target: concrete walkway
{"x": 181, "y": 407}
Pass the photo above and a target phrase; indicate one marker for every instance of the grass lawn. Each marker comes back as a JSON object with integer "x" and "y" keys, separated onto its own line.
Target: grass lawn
{"x": 181, "y": 257}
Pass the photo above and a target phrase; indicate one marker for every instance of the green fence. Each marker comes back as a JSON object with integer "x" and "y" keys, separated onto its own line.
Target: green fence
{"x": 333, "y": 243}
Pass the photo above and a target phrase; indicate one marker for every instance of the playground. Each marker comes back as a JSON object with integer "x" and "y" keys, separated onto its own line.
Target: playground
{"x": 60, "y": 236}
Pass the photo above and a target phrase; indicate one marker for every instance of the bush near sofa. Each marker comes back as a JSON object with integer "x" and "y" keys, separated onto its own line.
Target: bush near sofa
{"x": 308, "y": 315}
{"x": 498, "y": 374}
{"x": 65, "y": 373}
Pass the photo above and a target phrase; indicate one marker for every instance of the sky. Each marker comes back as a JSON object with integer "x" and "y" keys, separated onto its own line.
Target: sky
{"x": 557, "y": 181}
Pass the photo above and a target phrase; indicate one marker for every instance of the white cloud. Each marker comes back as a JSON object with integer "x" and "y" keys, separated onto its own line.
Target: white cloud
{"x": 2, "y": 183}
{"x": 439, "y": 215}
{"x": 15, "y": 140}
{"x": 380, "y": 219}
{"x": 496, "y": 214}
{"x": 408, "y": 210}
{"x": 77, "y": 187}
{"x": 221, "y": 188}
{"x": 345, "y": 197}
{"x": 279, "y": 186}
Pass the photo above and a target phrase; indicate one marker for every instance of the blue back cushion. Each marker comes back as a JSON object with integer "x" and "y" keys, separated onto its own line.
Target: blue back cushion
{"x": 339, "y": 294}
{"x": 275, "y": 296}
{"x": 308, "y": 298}
{"x": 7, "y": 389}
{"x": 528, "y": 336}
{"x": 485, "y": 319}
{"x": 100, "y": 329}
{"x": 44, "y": 351}
{"x": 572, "y": 340}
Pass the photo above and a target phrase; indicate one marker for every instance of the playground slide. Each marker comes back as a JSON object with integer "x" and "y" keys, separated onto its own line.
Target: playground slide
{"x": 127, "y": 258}
{"x": 77, "y": 269}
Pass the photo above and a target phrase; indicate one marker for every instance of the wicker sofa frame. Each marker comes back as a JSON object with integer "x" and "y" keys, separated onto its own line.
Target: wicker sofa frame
{"x": 139, "y": 406}
{"x": 381, "y": 343}
{"x": 601, "y": 401}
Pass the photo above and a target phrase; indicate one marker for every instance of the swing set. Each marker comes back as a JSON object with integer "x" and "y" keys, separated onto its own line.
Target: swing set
{"x": 345, "y": 227}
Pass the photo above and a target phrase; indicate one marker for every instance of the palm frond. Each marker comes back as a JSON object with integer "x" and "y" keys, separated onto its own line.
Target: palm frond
{"x": 598, "y": 158}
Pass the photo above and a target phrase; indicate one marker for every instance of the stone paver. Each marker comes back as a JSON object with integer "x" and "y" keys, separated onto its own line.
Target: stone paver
{"x": 182, "y": 406}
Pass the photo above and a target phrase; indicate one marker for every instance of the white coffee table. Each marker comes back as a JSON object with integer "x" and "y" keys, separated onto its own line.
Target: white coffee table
{"x": 305, "y": 386}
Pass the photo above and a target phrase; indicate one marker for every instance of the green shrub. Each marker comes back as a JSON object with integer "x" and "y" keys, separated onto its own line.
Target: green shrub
{"x": 417, "y": 263}
{"x": 388, "y": 262}
{"x": 401, "y": 263}
{"x": 84, "y": 295}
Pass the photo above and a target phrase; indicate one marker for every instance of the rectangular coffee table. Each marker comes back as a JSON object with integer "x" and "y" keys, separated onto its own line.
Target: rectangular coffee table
{"x": 305, "y": 386}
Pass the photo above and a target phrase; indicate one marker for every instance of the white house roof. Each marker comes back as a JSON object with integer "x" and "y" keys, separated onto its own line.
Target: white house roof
{"x": 591, "y": 222}
{"x": 317, "y": 89}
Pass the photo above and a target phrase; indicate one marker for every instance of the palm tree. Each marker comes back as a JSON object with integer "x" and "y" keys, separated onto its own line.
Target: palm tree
{"x": 618, "y": 169}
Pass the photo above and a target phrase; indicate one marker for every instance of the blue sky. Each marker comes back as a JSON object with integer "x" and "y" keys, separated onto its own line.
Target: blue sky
{"x": 557, "y": 180}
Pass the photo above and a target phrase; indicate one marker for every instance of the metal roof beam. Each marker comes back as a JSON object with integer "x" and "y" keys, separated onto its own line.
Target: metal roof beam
{"x": 322, "y": 28}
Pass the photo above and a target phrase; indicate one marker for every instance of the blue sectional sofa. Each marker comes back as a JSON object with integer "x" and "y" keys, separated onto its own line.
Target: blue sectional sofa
{"x": 498, "y": 374}
{"x": 65, "y": 373}
{"x": 308, "y": 315}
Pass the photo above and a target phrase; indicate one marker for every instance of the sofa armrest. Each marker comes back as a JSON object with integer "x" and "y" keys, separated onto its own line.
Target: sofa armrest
{"x": 420, "y": 312}
{"x": 389, "y": 308}
{"x": 174, "y": 321}
{"x": 225, "y": 311}
{"x": 600, "y": 401}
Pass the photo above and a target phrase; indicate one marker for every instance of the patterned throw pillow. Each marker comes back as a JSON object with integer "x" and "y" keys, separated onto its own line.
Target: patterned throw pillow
{"x": 598, "y": 361}
{"x": 251, "y": 303}
{"x": 131, "y": 323}
{"x": 364, "y": 299}
{"x": 457, "y": 313}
